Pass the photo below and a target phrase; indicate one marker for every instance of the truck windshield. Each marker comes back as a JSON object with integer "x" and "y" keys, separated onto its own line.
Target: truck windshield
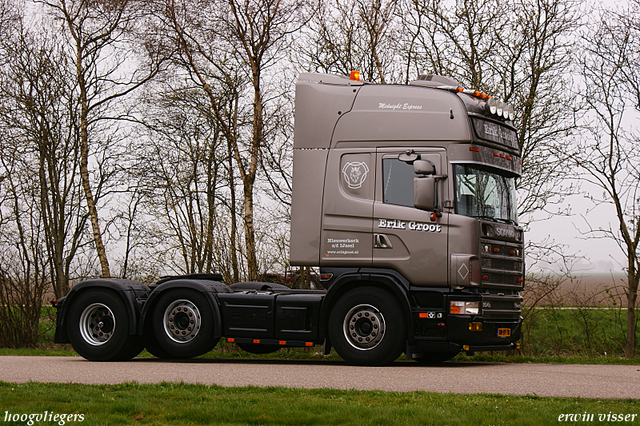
{"x": 484, "y": 193}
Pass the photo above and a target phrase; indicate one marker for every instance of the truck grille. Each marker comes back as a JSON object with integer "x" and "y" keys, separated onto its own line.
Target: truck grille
{"x": 502, "y": 264}
{"x": 501, "y": 307}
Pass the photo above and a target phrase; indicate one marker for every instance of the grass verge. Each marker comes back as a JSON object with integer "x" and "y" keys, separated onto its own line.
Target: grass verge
{"x": 168, "y": 403}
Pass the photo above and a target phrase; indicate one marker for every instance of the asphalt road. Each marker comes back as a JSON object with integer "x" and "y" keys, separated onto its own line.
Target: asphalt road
{"x": 588, "y": 381}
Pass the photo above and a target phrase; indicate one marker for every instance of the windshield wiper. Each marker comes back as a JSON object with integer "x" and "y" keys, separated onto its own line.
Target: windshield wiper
{"x": 496, "y": 219}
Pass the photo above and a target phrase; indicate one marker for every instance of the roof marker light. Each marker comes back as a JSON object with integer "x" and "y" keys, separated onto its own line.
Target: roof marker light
{"x": 354, "y": 75}
{"x": 474, "y": 93}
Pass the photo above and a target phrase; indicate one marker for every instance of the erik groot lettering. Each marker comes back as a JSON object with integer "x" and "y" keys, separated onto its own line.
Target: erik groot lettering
{"x": 411, "y": 226}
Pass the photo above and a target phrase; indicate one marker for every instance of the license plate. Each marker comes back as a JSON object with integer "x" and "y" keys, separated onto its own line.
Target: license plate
{"x": 504, "y": 332}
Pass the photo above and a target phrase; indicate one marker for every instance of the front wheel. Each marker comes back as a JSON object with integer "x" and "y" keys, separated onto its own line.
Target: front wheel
{"x": 182, "y": 324}
{"x": 99, "y": 327}
{"x": 366, "y": 327}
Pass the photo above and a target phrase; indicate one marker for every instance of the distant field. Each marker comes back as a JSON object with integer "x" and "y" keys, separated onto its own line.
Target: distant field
{"x": 586, "y": 290}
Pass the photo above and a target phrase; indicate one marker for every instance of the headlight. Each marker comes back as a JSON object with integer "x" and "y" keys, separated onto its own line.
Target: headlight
{"x": 464, "y": 308}
{"x": 491, "y": 105}
{"x": 512, "y": 113}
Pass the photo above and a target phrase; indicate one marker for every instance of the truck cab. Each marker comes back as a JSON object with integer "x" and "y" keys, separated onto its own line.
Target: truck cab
{"x": 417, "y": 184}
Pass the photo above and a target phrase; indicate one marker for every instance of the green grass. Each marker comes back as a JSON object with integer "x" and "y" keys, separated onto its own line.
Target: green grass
{"x": 184, "y": 404}
{"x": 576, "y": 332}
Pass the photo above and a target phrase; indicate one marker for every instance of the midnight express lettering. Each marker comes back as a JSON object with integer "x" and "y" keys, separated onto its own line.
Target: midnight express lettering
{"x": 411, "y": 226}
{"x": 405, "y": 106}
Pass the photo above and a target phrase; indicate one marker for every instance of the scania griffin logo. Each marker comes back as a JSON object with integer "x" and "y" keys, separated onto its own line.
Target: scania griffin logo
{"x": 355, "y": 173}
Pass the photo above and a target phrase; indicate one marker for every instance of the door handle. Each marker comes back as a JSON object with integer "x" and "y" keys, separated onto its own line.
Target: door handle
{"x": 381, "y": 241}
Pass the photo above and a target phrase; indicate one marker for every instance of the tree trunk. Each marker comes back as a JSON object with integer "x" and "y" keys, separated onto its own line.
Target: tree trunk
{"x": 249, "y": 176}
{"x": 84, "y": 166}
{"x": 632, "y": 297}
{"x": 233, "y": 245}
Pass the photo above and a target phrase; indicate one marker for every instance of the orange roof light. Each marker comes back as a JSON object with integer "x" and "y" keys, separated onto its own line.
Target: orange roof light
{"x": 355, "y": 75}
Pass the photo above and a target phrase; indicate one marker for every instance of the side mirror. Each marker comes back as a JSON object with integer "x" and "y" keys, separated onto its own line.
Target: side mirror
{"x": 424, "y": 187}
{"x": 424, "y": 193}
{"x": 423, "y": 167}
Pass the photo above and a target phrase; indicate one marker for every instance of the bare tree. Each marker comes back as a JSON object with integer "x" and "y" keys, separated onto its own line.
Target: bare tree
{"x": 24, "y": 272}
{"x": 101, "y": 36}
{"x": 230, "y": 36}
{"x": 37, "y": 109}
{"x": 607, "y": 153}
{"x": 23, "y": 260}
{"x": 348, "y": 35}
{"x": 519, "y": 51}
{"x": 183, "y": 173}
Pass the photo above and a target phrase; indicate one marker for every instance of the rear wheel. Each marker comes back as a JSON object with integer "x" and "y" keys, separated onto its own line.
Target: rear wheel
{"x": 182, "y": 323}
{"x": 366, "y": 327}
{"x": 99, "y": 327}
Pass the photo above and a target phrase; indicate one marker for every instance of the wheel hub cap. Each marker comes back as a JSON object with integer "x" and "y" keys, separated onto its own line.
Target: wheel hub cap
{"x": 182, "y": 321}
{"x": 364, "y": 327}
{"x": 97, "y": 324}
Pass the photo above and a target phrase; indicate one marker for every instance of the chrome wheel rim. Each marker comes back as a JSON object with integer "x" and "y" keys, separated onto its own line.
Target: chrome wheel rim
{"x": 182, "y": 321}
{"x": 364, "y": 327}
{"x": 97, "y": 324}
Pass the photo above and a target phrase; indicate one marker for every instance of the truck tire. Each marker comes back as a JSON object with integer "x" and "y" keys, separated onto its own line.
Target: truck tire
{"x": 366, "y": 327}
{"x": 99, "y": 327}
{"x": 258, "y": 349}
{"x": 152, "y": 346}
{"x": 182, "y": 324}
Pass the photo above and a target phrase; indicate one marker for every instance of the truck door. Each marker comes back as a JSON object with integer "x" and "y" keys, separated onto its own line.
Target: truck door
{"x": 347, "y": 207}
{"x": 405, "y": 238}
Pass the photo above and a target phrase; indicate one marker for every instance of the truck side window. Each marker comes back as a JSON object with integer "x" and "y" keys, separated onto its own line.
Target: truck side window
{"x": 397, "y": 182}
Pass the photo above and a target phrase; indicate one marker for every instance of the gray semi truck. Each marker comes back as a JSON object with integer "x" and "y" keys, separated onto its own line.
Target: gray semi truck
{"x": 403, "y": 196}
